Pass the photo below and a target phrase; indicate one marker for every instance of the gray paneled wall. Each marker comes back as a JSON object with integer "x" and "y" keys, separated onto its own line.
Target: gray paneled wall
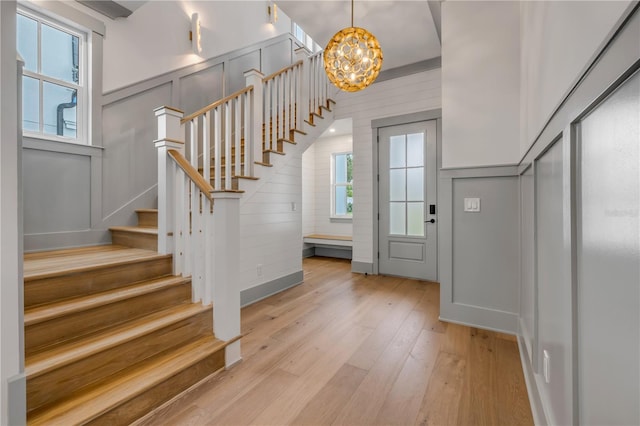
{"x": 608, "y": 287}
{"x": 527, "y": 273}
{"x": 580, "y": 251}
{"x": 479, "y": 261}
{"x": 553, "y": 287}
{"x": 130, "y": 158}
{"x": 57, "y": 191}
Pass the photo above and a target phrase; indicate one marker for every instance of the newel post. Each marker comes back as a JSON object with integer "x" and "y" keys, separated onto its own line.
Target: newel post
{"x": 254, "y": 78}
{"x": 302, "y": 54}
{"x": 226, "y": 283}
{"x": 170, "y": 136}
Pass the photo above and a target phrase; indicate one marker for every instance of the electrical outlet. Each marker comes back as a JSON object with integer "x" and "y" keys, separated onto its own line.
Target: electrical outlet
{"x": 546, "y": 366}
{"x": 293, "y": 206}
{"x": 259, "y": 269}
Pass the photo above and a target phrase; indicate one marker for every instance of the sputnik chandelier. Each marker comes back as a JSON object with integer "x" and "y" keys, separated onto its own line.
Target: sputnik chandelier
{"x": 352, "y": 58}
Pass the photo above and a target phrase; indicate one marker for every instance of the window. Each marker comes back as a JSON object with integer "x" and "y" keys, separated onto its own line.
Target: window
{"x": 342, "y": 185}
{"x": 54, "y": 94}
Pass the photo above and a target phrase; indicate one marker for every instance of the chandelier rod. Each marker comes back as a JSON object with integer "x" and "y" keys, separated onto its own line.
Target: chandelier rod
{"x": 352, "y": 13}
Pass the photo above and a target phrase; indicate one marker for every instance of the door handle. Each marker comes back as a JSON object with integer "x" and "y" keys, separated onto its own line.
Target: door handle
{"x": 430, "y": 221}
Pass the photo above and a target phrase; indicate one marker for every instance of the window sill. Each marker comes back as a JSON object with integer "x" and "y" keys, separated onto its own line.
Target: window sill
{"x": 340, "y": 219}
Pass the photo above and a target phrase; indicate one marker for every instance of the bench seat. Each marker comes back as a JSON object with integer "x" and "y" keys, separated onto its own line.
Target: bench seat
{"x": 327, "y": 246}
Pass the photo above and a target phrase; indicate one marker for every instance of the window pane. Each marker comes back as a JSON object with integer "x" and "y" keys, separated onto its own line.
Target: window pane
{"x": 415, "y": 184}
{"x": 397, "y": 219}
{"x": 341, "y": 168}
{"x": 60, "y": 56}
{"x": 397, "y": 185}
{"x": 27, "y": 34}
{"x": 397, "y": 151}
{"x": 30, "y": 104}
{"x": 349, "y": 159}
{"x": 341, "y": 200}
{"x": 415, "y": 150}
{"x": 349, "y": 199}
{"x": 59, "y": 110}
{"x": 415, "y": 219}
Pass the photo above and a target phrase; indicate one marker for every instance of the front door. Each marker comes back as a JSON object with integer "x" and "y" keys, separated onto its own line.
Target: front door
{"x": 407, "y": 240}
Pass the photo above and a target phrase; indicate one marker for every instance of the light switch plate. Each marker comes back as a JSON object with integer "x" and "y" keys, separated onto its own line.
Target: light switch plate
{"x": 472, "y": 205}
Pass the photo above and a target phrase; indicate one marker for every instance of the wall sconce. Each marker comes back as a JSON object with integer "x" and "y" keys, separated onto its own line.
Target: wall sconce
{"x": 195, "y": 35}
{"x": 272, "y": 9}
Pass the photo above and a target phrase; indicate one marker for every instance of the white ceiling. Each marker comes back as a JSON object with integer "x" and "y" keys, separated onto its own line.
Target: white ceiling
{"x": 405, "y": 29}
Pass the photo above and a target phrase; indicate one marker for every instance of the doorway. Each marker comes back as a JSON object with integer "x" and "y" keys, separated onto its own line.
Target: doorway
{"x": 407, "y": 196}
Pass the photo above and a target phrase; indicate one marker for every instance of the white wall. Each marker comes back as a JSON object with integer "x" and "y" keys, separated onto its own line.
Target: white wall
{"x": 155, "y": 38}
{"x": 317, "y": 218}
{"x": 308, "y": 190}
{"x": 480, "y": 83}
{"x": 405, "y": 95}
{"x": 558, "y": 40}
{"x": 270, "y": 231}
{"x": 11, "y": 358}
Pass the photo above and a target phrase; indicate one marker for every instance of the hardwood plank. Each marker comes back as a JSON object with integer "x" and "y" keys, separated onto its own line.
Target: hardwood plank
{"x": 402, "y": 404}
{"x": 442, "y": 398}
{"x": 365, "y": 403}
{"x": 327, "y": 403}
{"x": 512, "y": 390}
{"x": 260, "y": 397}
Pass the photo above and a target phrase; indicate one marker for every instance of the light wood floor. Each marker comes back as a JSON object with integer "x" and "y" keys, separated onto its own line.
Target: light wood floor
{"x": 342, "y": 348}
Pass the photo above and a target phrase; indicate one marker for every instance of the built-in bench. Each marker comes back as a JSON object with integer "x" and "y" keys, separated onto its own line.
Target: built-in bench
{"x": 339, "y": 246}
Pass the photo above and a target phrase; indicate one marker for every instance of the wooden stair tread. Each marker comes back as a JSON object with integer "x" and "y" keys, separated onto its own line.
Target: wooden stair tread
{"x": 78, "y": 304}
{"x": 299, "y": 131}
{"x": 45, "y": 361}
{"x": 287, "y": 141}
{"x": 147, "y": 210}
{"x": 274, "y": 151}
{"x": 91, "y": 403}
{"x": 263, "y": 164}
{"x": 72, "y": 261}
{"x": 135, "y": 229}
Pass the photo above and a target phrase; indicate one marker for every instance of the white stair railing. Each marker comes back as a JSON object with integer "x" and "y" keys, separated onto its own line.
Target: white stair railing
{"x": 199, "y": 212}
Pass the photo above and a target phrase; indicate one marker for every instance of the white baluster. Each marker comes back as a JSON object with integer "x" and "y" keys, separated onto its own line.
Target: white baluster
{"x": 303, "y": 86}
{"x": 238, "y": 136}
{"x": 255, "y": 120}
{"x": 206, "y": 146}
{"x": 217, "y": 154}
{"x": 246, "y": 131}
{"x": 227, "y": 146}
{"x": 274, "y": 114}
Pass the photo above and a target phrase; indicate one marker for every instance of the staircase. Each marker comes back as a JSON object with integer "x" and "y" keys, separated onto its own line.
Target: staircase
{"x": 110, "y": 333}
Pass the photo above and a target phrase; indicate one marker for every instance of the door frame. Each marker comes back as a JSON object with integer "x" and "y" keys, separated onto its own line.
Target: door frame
{"x": 433, "y": 114}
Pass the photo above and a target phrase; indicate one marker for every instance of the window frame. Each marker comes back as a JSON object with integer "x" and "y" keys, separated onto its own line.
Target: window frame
{"x": 83, "y": 90}
{"x": 334, "y": 184}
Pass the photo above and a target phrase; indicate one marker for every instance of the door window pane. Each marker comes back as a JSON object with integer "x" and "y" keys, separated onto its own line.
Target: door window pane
{"x": 59, "y": 54}
{"x": 415, "y": 184}
{"x": 59, "y": 110}
{"x": 397, "y": 185}
{"x": 27, "y": 34}
{"x": 397, "y": 219}
{"x": 415, "y": 150}
{"x": 30, "y": 104}
{"x": 397, "y": 152}
{"x": 415, "y": 219}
